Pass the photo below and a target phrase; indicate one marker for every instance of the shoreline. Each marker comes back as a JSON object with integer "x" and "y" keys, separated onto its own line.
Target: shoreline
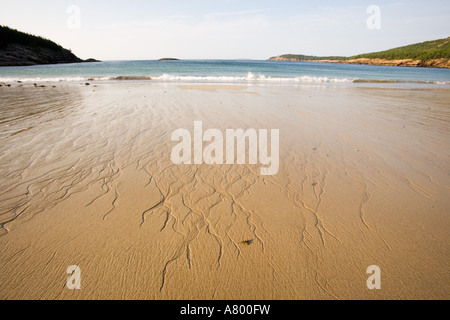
{"x": 435, "y": 63}
{"x": 233, "y": 71}
{"x": 248, "y": 82}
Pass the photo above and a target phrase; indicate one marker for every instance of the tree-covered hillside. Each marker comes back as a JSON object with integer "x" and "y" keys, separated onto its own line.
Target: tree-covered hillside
{"x": 23, "y": 49}
{"x": 9, "y": 36}
{"x": 437, "y": 49}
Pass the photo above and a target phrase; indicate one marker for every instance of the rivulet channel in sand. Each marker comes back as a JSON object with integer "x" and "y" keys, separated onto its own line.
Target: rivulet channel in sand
{"x": 86, "y": 179}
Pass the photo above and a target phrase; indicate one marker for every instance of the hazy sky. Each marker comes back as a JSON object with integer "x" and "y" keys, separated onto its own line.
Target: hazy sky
{"x": 225, "y": 29}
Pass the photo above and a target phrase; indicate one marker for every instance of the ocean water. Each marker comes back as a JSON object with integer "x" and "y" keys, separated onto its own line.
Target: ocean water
{"x": 227, "y": 71}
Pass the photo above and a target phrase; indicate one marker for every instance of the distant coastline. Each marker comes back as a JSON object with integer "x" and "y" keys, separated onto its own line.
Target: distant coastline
{"x": 430, "y": 54}
{"x": 434, "y": 63}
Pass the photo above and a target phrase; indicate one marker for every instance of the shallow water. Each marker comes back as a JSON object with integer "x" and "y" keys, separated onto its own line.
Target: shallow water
{"x": 225, "y": 71}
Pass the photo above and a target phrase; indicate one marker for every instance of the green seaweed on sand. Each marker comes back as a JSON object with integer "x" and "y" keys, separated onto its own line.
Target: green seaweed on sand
{"x": 247, "y": 242}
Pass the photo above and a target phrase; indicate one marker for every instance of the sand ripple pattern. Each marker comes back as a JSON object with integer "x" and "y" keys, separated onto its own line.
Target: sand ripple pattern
{"x": 86, "y": 179}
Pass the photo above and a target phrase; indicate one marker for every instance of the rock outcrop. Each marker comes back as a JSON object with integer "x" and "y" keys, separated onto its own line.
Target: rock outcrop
{"x": 22, "y": 49}
{"x": 433, "y": 63}
{"x": 21, "y": 55}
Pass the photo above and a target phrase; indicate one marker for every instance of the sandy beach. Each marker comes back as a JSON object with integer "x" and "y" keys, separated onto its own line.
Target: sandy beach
{"x": 86, "y": 179}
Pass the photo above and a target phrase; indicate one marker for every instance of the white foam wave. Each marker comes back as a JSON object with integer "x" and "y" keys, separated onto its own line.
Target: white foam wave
{"x": 250, "y": 78}
{"x": 175, "y": 78}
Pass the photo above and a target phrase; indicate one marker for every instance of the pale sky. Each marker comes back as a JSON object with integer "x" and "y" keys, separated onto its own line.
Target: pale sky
{"x": 225, "y": 29}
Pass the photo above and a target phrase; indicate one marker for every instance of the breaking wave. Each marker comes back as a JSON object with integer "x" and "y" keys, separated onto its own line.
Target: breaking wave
{"x": 250, "y": 78}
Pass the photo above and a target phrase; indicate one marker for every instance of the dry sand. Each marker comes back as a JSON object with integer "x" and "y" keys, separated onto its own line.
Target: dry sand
{"x": 86, "y": 179}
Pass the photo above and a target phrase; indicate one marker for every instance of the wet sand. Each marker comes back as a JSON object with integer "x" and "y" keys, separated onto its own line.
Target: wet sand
{"x": 86, "y": 179}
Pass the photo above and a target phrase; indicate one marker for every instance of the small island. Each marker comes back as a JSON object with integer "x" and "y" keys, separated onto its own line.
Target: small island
{"x": 23, "y": 49}
{"x": 169, "y": 59}
{"x": 91, "y": 60}
{"x": 430, "y": 54}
